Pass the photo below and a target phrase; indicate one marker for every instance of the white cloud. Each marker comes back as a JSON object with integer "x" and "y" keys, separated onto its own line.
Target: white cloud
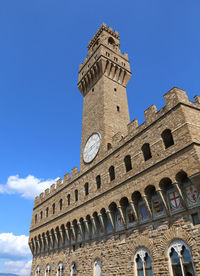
{"x": 19, "y": 267}
{"x": 16, "y": 250}
{"x": 28, "y": 187}
{"x": 14, "y": 247}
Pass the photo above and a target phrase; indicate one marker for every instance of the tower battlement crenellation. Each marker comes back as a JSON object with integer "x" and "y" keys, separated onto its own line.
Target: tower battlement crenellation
{"x": 105, "y": 28}
{"x": 173, "y": 97}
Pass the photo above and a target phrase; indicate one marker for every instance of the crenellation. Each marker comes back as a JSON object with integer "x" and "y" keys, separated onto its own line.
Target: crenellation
{"x": 52, "y": 188}
{"x": 66, "y": 178}
{"x": 197, "y": 99}
{"x": 74, "y": 173}
{"x": 41, "y": 196}
{"x": 46, "y": 192}
{"x": 132, "y": 127}
{"x": 59, "y": 182}
{"x": 175, "y": 96}
{"x": 150, "y": 114}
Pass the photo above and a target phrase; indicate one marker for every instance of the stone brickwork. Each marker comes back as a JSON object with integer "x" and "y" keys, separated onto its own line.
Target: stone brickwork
{"x": 150, "y": 200}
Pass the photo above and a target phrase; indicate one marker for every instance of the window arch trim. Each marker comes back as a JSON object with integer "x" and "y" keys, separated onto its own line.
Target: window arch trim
{"x": 177, "y": 245}
{"x": 142, "y": 252}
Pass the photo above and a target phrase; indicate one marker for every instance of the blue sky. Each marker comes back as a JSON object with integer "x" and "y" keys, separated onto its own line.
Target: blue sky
{"x": 42, "y": 44}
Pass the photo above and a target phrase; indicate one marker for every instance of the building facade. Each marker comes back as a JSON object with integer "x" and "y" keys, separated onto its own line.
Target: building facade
{"x": 133, "y": 208}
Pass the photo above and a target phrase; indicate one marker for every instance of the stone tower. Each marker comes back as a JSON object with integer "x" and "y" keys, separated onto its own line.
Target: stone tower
{"x": 103, "y": 78}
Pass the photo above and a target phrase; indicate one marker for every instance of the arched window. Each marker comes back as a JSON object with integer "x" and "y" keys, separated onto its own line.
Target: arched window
{"x": 76, "y": 195}
{"x": 180, "y": 259}
{"x": 167, "y": 138}
{"x": 36, "y": 218}
{"x": 97, "y": 268}
{"x": 86, "y": 188}
{"x": 112, "y": 173}
{"x": 47, "y": 212}
{"x": 127, "y": 162}
{"x": 47, "y": 270}
{"x": 73, "y": 269}
{"x": 68, "y": 199}
{"x": 60, "y": 269}
{"x": 41, "y": 215}
{"x": 143, "y": 264}
{"x": 146, "y": 151}
{"x": 98, "y": 181}
{"x": 111, "y": 41}
{"x": 37, "y": 272}
{"x": 53, "y": 208}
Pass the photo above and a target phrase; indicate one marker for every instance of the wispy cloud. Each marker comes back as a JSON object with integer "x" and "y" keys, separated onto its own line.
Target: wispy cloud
{"x": 27, "y": 187}
{"x": 14, "y": 247}
{"x": 19, "y": 267}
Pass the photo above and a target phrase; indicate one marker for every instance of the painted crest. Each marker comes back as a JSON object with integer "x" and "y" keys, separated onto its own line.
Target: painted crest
{"x": 175, "y": 200}
{"x": 119, "y": 220}
{"x": 130, "y": 216}
{"x": 192, "y": 194}
{"x": 157, "y": 205}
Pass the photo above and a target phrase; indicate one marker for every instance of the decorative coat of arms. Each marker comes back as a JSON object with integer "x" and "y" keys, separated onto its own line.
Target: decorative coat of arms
{"x": 192, "y": 194}
{"x": 157, "y": 205}
{"x": 119, "y": 220}
{"x": 175, "y": 201}
{"x": 130, "y": 216}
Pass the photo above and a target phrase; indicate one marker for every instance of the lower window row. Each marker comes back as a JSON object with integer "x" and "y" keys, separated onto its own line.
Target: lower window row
{"x": 179, "y": 258}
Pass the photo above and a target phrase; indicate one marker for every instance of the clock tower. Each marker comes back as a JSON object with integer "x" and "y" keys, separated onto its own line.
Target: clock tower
{"x": 103, "y": 77}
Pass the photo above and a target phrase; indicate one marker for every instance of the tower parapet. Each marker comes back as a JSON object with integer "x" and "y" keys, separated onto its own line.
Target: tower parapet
{"x": 104, "y": 57}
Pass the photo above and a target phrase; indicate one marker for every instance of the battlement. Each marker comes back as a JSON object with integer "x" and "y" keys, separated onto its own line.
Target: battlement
{"x": 60, "y": 183}
{"x": 105, "y": 28}
{"x": 172, "y": 98}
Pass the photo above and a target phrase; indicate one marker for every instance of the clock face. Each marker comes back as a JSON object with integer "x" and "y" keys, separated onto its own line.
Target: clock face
{"x": 92, "y": 147}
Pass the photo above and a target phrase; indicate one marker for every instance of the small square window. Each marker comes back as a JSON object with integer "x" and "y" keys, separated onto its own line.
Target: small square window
{"x": 118, "y": 109}
{"x": 195, "y": 218}
{"x": 92, "y": 89}
{"x": 115, "y": 89}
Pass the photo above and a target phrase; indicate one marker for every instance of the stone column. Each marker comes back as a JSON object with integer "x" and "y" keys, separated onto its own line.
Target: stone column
{"x": 94, "y": 224}
{"x": 36, "y": 245}
{"x": 122, "y": 215}
{"x": 148, "y": 206}
{"x": 110, "y": 217}
{"x": 74, "y": 232}
{"x": 176, "y": 184}
{"x": 51, "y": 240}
{"x": 55, "y": 236}
{"x": 87, "y": 227}
{"x": 102, "y": 222}
{"x": 81, "y": 229}
{"x": 62, "y": 234}
{"x": 48, "y": 241}
{"x": 68, "y": 234}
{"x": 160, "y": 192}
{"x": 31, "y": 247}
{"x": 134, "y": 210}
